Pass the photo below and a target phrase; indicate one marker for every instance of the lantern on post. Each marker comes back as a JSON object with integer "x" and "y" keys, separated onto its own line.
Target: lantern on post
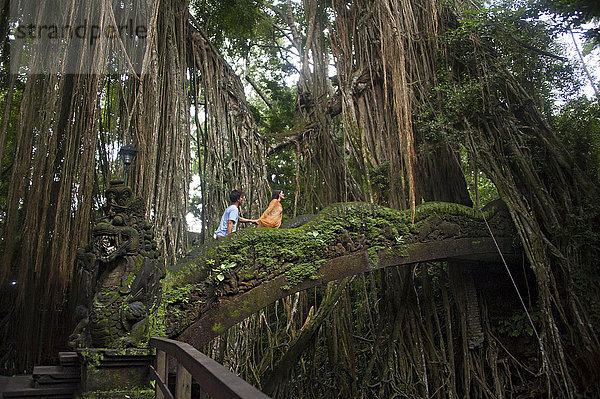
{"x": 127, "y": 154}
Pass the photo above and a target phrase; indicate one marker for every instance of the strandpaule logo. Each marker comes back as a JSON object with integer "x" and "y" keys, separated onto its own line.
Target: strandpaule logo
{"x": 90, "y": 32}
{"x": 89, "y": 37}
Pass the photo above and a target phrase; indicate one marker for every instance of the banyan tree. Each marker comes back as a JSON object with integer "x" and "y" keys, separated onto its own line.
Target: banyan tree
{"x": 395, "y": 103}
{"x": 70, "y": 106}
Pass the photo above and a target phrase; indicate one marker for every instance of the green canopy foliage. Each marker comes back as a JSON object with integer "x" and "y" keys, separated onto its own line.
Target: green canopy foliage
{"x": 578, "y": 124}
{"x": 232, "y": 24}
{"x": 574, "y": 14}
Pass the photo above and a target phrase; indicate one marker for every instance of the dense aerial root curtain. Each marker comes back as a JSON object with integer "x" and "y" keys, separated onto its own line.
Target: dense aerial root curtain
{"x": 554, "y": 207}
{"x": 49, "y": 200}
{"x": 161, "y": 130}
{"x": 322, "y": 174}
{"x": 415, "y": 332}
{"x": 234, "y": 152}
{"x": 326, "y": 179}
{"x": 69, "y": 121}
{"x": 386, "y": 63}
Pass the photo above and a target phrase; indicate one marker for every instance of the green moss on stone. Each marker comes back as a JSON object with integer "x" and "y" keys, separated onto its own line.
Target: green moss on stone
{"x": 301, "y": 271}
{"x": 258, "y": 252}
{"x": 217, "y": 327}
{"x": 299, "y": 253}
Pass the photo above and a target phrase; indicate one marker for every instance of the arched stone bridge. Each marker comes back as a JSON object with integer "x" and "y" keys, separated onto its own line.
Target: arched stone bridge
{"x": 216, "y": 286}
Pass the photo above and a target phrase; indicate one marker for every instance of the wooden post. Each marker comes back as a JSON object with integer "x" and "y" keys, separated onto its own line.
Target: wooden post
{"x": 162, "y": 369}
{"x": 183, "y": 384}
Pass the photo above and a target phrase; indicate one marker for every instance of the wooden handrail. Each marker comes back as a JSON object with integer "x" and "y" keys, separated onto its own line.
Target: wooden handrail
{"x": 213, "y": 379}
{"x": 160, "y": 384}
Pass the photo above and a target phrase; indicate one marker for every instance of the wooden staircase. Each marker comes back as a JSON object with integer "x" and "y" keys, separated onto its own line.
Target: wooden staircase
{"x": 52, "y": 382}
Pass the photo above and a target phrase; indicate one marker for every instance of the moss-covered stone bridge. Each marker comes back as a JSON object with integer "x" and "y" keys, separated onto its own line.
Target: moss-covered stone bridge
{"x": 219, "y": 285}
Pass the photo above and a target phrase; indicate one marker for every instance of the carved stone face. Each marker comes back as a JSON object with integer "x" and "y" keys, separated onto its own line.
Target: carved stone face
{"x": 106, "y": 245}
{"x": 112, "y": 241}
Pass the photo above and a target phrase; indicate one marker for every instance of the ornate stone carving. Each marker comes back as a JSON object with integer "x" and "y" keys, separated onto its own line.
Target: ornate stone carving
{"x": 121, "y": 273}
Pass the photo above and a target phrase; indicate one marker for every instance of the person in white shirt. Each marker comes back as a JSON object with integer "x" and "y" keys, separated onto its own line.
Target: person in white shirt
{"x": 229, "y": 220}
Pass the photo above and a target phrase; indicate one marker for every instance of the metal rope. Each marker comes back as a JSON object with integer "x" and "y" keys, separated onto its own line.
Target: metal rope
{"x": 541, "y": 344}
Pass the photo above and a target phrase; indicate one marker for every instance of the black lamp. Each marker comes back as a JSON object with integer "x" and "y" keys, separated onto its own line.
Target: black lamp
{"x": 127, "y": 154}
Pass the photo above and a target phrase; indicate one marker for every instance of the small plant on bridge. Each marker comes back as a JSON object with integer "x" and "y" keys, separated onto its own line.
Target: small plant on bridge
{"x": 220, "y": 272}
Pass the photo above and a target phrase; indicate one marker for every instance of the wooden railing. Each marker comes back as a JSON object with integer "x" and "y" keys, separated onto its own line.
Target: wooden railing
{"x": 213, "y": 379}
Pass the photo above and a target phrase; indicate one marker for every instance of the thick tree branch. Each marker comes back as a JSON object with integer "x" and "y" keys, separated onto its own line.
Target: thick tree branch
{"x": 260, "y": 92}
{"x": 537, "y": 50}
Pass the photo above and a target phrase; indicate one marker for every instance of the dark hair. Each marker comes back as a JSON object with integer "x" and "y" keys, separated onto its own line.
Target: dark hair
{"x": 236, "y": 195}
{"x": 275, "y": 194}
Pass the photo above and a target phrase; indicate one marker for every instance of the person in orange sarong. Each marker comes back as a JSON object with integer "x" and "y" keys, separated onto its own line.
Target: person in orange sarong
{"x": 272, "y": 216}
